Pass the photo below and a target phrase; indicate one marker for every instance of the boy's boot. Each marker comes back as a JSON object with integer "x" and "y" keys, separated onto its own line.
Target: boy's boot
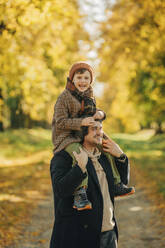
{"x": 121, "y": 189}
{"x": 81, "y": 201}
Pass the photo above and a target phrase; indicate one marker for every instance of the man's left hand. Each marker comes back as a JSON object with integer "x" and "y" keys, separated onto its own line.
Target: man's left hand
{"x": 110, "y": 146}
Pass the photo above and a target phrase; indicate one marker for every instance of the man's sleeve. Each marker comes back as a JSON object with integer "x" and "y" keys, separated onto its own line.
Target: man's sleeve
{"x": 123, "y": 169}
{"x": 65, "y": 178}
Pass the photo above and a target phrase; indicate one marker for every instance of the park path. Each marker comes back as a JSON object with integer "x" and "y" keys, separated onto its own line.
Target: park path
{"x": 139, "y": 224}
{"x": 37, "y": 233}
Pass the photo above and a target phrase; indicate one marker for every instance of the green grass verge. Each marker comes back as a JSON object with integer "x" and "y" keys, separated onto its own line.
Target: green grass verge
{"x": 24, "y": 142}
{"x": 147, "y": 153}
{"x": 145, "y": 150}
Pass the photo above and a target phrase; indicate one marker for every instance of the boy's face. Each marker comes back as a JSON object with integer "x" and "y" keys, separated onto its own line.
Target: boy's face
{"x": 82, "y": 80}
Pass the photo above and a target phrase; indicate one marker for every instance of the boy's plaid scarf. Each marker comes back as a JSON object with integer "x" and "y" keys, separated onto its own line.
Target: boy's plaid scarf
{"x": 88, "y": 103}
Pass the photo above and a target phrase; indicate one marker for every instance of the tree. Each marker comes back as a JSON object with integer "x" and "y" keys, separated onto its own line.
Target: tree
{"x": 132, "y": 57}
{"x": 1, "y": 115}
{"x": 39, "y": 41}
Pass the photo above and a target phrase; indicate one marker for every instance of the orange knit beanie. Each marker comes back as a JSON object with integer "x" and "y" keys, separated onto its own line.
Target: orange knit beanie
{"x": 80, "y": 65}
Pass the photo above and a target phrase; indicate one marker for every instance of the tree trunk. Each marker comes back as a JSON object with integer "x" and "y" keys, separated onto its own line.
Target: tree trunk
{"x": 1, "y": 109}
{"x": 16, "y": 113}
{"x": 159, "y": 129}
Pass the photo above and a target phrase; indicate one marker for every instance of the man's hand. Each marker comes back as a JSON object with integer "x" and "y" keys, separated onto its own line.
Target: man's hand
{"x": 99, "y": 115}
{"x": 82, "y": 159}
{"x": 88, "y": 121}
{"x": 110, "y": 146}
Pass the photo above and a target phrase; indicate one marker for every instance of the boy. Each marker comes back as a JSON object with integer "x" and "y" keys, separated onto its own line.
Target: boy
{"x": 76, "y": 107}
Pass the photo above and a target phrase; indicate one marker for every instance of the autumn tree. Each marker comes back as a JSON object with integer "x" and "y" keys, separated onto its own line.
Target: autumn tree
{"x": 132, "y": 58}
{"x": 38, "y": 42}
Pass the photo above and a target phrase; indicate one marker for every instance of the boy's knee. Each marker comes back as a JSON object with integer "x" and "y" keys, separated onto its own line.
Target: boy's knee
{"x": 73, "y": 147}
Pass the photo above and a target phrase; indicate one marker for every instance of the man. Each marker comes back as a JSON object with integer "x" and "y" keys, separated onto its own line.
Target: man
{"x": 94, "y": 228}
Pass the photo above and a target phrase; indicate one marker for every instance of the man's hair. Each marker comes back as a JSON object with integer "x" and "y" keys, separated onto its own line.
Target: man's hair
{"x": 84, "y": 132}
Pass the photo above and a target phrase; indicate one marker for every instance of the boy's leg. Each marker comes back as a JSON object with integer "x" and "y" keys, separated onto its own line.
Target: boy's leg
{"x": 70, "y": 149}
{"x": 81, "y": 201}
{"x": 119, "y": 188}
{"x": 115, "y": 172}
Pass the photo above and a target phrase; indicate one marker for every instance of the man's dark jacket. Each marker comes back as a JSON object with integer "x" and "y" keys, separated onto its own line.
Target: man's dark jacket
{"x": 79, "y": 229}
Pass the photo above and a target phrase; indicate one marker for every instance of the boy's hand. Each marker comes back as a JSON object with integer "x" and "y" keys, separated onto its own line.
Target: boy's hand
{"x": 88, "y": 121}
{"x": 110, "y": 146}
{"x": 98, "y": 115}
{"x": 82, "y": 159}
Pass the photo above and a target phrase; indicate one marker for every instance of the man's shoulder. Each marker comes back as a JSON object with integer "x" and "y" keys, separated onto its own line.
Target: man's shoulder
{"x": 62, "y": 155}
{"x": 61, "y": 161}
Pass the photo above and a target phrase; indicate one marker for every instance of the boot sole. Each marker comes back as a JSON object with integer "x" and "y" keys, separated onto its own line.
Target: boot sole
{"x": 130, "y": 193}
{"x": 84, "y": 208}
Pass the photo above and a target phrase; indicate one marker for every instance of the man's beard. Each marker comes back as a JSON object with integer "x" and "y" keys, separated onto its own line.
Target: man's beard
{"x": 99, "y": 140}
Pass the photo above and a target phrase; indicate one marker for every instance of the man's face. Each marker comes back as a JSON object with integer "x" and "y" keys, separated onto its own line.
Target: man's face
{"x": 95, "y": 134}
{"x": 82, "y": 80}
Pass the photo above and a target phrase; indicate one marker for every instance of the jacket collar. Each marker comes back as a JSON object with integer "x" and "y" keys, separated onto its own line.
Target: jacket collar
{"x": 108, "y": 171}
{"x": 92, "y": 173}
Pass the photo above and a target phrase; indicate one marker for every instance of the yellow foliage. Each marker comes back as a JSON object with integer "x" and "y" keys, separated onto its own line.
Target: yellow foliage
{"x": 132, "y": 59}
{"x": 37, "y": 40}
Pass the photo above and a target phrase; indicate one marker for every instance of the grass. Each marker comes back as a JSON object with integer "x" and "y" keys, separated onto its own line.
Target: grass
{"x": 24, "y": 142}
{"x": 147, "y": 153}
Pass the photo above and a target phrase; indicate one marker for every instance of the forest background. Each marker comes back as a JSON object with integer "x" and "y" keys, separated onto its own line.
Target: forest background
{"x": 39, "y": 40}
